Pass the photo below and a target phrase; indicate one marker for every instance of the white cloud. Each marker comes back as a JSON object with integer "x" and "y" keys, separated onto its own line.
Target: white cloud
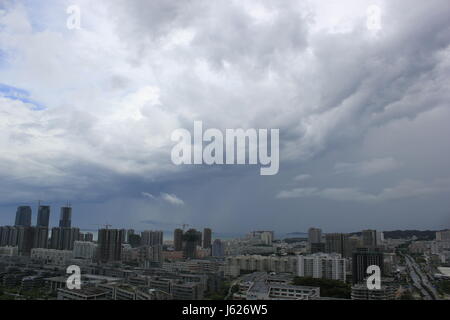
{"x": 167, "y": 197}
{"x": 367, "y": 168}
{"x": 405, "y": 189}
{"x": 302, "y": 177}
{"x": 148, "y": 195}
{"x": 173, "y": 199}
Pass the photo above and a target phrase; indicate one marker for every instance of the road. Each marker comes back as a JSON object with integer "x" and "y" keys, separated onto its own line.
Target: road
{"x": 420, "y": 280}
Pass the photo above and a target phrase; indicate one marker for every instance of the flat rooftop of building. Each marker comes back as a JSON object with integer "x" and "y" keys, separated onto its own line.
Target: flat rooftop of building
{"x": 87, "y": 291}
{"x": 89, "y": 277}
{"x": 291, "y": 286}
{"x": 445, "y": 271}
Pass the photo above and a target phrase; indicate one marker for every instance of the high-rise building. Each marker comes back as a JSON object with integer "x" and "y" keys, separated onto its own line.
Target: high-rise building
{"x": 69, "y": 236}
{"x": 4, "y": 235}
{"x": 40, "y": 239}
{"x": 380, "y": 238}
{"x": 64, "y": 238}
{"x": 84, "y": 249}
{"x": 25, "y": 236}
{"x": 337, "y": 243}
{"x": 314, "y": 235}
{"x": 150, "y": 256}
{"x": 207, "y": 237}
{"x": 151, "y": 238}
{"x": 199, "y": 238}
{"x": 191, "y": 239}
{"x": 322, "y": 266}
{"x": 8, "y": 236}
{"x": 265, "y": 236}
{"x": 65, "y": 220}
{"x": 13, "y": 236}
{"x": 218, "y": 249}
{"x": 43, "y": 217}
{"x": 369, "y": 238}
{"x": 55, "y": 238}
{"x": 109, "y": 245}
{"x": 123, "y": 235}
{"x": 23, "y": 216}
{"x": 362, "y": 259}
{"x": 178, "y": 240}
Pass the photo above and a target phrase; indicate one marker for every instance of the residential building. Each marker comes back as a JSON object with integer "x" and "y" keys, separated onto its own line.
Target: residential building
{"x": 43, "y": 217}
{"x": 65, "y": 219}
{"x": 51, "y": 256}
{"x": 362, "y": 259}
{"x": 23, "y": 216}
{"x": 322, "y": 266}
{"x": 84, "y": 250}
{"x": 314, "y": 235}
{"x": 109, "y": 245}
{"x": 207, "y": 238}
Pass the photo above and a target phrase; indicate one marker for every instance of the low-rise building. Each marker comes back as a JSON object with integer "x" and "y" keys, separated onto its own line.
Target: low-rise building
{"x": 360, "y": 291}
{"x": 89, "y": 293}
{"x": 84, "y": 250}
{"x": 51, "y": 256}
{"x": 257, "y": 263}
{"x": 9, "y": 251}
{"x": 259, "y": 286}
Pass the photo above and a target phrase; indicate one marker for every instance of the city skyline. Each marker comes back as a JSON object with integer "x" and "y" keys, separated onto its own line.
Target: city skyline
{"x": 55, "y": 220}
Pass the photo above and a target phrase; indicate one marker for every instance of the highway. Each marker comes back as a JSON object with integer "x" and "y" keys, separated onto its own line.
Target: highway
{"x": 420, "y": 280}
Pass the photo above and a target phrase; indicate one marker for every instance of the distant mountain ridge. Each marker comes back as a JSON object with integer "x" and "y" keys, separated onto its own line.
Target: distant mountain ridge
{"x": 404, "y": 234}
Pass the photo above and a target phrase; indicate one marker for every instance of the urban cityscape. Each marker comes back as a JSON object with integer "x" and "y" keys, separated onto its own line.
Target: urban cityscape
{"x": 126, "y": 264}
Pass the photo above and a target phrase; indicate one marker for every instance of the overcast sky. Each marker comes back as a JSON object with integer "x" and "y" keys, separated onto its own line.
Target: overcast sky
{"x": 363, "y": 111}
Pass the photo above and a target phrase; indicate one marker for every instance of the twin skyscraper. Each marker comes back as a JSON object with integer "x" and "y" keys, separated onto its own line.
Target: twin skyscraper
{"x": 24, "y": 213}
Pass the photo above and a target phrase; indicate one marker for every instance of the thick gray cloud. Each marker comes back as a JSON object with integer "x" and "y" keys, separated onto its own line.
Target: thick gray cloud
{"x": 363, "y": 114}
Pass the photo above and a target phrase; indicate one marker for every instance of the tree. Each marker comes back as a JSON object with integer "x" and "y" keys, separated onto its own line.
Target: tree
{"x": 328, "y": 288}
{"x": 444, "y": 286}
{"x": 406, "y": 296}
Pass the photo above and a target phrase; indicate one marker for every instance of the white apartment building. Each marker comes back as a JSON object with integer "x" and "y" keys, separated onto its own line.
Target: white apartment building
{"x": 51, "y": 256}
{"x": 261, "y": 264}
{"x": 9, "y": 251}
{"x": 380, "y": 238}
{"x": 84, "y": 249}
{"x": 265, "y": 237}
{"x": 319, "y": 265}
{"x": 443, "y": 235}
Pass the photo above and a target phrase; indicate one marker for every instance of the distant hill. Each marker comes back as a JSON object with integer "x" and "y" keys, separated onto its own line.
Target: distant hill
{"x": 396, "y": 234}
{"x": 402, "y": 234}
{"x": 297, "y": 234}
